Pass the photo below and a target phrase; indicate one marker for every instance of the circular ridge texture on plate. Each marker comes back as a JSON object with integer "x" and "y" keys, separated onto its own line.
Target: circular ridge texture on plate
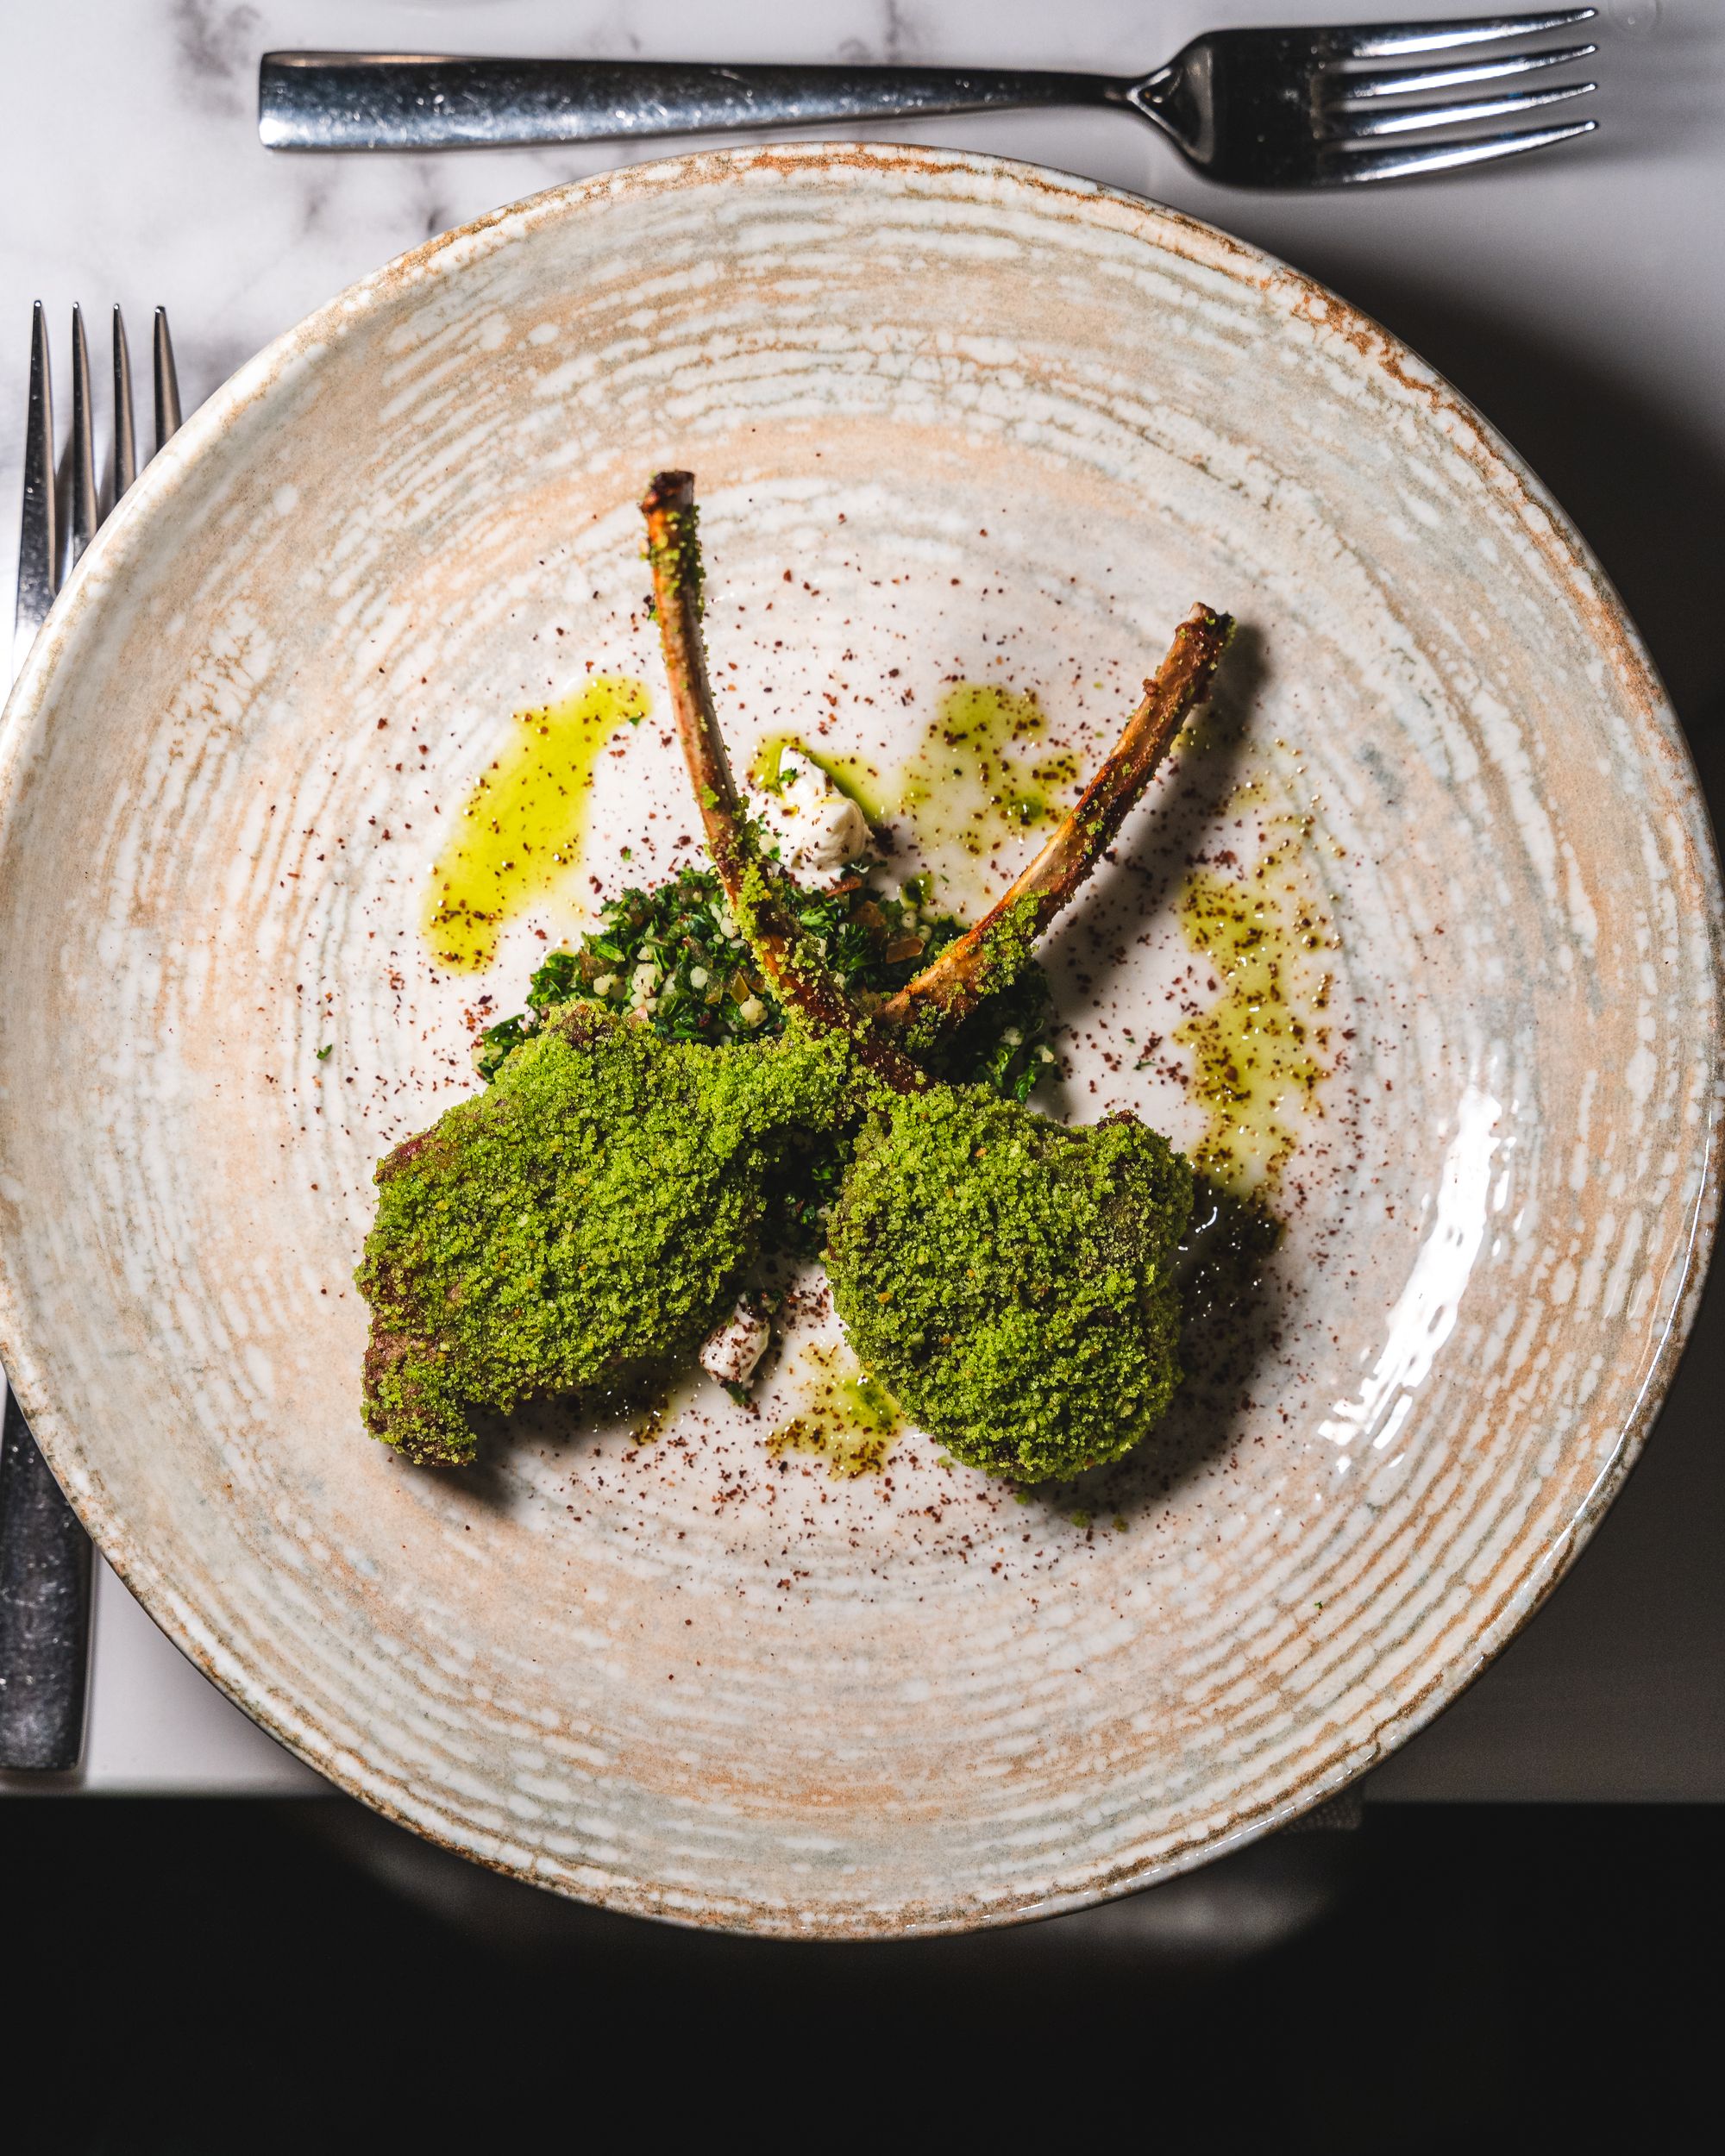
{"x": 954, "y": 421}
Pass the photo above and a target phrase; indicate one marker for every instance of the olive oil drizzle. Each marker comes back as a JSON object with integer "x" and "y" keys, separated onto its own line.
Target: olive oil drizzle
{"x": 522, "y": 830}
{"x": 976, "y": 772}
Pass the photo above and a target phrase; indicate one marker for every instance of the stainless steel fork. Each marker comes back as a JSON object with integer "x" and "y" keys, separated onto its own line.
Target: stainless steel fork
{"x": 1251, "y": 108}
{"x": 44, "y": 1553}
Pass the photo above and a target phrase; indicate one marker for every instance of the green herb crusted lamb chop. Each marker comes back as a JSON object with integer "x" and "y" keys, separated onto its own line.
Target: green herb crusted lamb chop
{"x": 1008, "y": 1279}
{"x": 580, "y": 1226}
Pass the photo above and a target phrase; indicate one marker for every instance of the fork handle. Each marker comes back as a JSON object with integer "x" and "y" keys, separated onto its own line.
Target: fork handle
{"x": 390, "y": 101}
{"x": 44, "y": 1609}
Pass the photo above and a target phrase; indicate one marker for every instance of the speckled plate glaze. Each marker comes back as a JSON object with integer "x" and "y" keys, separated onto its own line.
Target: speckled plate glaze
{"x": 952, "y": 417}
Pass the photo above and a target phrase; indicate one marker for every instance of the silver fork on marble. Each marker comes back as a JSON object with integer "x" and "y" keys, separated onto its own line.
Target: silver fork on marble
{"x": 1298, "y": 108}
{"x": 44, "y": 1552}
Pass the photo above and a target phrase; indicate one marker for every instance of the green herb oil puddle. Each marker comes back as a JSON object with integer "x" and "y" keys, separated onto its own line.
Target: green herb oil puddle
{"x": 977, "y": 771}
{"x": 852, "y": 1423}
{"x": 522, "y": 828}
{"x": 1256, "y": 1051}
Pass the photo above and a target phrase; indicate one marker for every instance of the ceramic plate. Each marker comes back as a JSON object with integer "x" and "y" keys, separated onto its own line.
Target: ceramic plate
{"x": 962, "y": 429}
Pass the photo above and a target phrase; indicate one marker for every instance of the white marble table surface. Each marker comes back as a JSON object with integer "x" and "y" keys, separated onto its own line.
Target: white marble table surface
{"x": 1579, "y": 298}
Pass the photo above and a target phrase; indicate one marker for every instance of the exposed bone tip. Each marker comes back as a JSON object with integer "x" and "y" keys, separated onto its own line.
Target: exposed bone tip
{"x": 733, "y": 1350}
{"x": 669, "y": 490}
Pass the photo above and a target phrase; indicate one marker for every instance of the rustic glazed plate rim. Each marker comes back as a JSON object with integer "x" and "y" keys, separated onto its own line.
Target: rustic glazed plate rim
{"x": 300, "y": 347}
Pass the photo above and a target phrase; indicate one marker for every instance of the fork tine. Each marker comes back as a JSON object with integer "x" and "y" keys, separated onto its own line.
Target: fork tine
{"x": 1354, "y": 127}
{"x": 38, "y": 530}
{"x": 125, "y": 438}
{"x": 1383, "y": 40}
{"x": 166, "y": 381}
{"x": 82, "y": 448}
{"x": 1403, "y": 82}
{"x": 1349, "y": 168}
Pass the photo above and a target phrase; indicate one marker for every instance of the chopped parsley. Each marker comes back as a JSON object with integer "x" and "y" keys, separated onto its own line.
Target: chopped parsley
{"x": 675, "y": 958}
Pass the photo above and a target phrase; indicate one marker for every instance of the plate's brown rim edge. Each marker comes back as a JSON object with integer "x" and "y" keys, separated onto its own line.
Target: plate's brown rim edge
{"x": 514, "y": 221}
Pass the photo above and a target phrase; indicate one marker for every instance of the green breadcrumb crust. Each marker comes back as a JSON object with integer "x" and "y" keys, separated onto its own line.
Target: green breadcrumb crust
{"x": 579, "y": 1226}
{"x": 1009, "y": 947}
{"x": 1008, "y": 1279}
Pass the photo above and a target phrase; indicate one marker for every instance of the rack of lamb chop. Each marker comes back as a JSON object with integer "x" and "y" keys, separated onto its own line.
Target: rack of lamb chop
{"x": 579, "y": 1228}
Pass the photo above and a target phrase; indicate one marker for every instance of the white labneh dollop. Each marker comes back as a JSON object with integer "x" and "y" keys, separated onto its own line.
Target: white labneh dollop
{"x": 734, "y": 1351}
{"x": 818, "y": 827}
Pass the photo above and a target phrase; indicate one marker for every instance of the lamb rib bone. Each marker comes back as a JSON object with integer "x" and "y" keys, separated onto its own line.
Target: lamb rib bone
{"x": 753, "y": 882}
